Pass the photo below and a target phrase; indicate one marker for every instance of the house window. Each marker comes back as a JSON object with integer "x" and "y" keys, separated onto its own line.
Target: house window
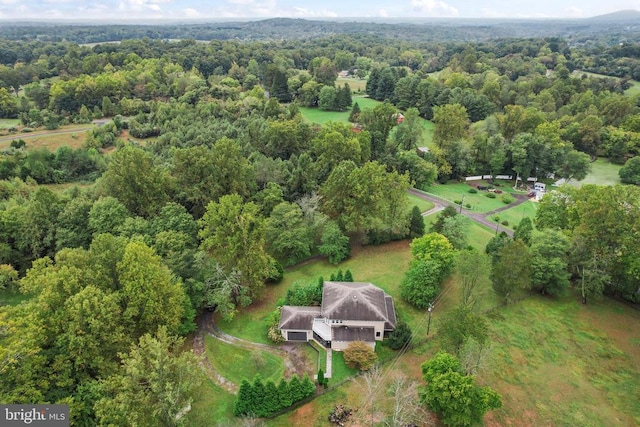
{"x": 378, "y": 334}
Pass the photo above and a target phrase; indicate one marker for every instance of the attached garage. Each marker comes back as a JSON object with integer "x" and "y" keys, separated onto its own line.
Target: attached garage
{"x": 296, "y": 336}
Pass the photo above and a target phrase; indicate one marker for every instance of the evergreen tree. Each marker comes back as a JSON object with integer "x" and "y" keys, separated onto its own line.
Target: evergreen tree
{"x": 271, "y": 398}
{"x": 284, "y": 394}
{"x": 320, "y": 376}
{"x": 416, "y": 227}
{"x": 348, "y": 276}
{"x": 242, "y": 404}
{"x": 339, "y": 276}
{"x": 258, "y": 403}
{"x": 308, "y": 388}
{"x": 355, "y": 113}
{"x": 295, "y": 389}
{"x": 343, "y": 98}
{"x": 372, "y": 83}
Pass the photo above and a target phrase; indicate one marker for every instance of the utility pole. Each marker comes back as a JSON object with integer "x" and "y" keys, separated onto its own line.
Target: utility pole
{"x": 429, "y": 323}
{"x": 461, "y": 202}
{"x": 497, "y": 224}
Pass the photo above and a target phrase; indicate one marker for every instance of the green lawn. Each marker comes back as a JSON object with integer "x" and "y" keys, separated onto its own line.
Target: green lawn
{"x": 634, "y": 89}
{"x": 8, "y": 123}
{"x": 12, "y": 298}
{"x": 318, "y": 116}
{"x": 339, "y": 368}
{"x": 236, "y": 363}
{"x": 602, "y": 172}
{"x": 211, "y": 406}
{"x": 423, "y": 205}
{"x": 515, "y": 214}
{"x": 558, "y": 362}
{"x": 456, "y": 191}
{"x": 357, "y": 85}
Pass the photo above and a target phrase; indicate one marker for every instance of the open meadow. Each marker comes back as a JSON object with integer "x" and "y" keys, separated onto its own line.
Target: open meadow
{"x": 603, "y": 172}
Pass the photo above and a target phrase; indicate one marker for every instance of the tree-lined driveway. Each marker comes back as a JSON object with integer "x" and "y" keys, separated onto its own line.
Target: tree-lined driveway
{"x": 475, "y": 216}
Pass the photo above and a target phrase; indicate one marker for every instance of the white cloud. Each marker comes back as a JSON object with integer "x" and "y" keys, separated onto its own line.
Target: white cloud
{"x": 574, "y": 12}
{"x": 434, "y": 8}
{"x": 383, "y": 13}
{"x": 191, "y": 13}
{"x": 141, "y": 5}
{"x": 304, "y": 12}
{"x": 490, "y": 13}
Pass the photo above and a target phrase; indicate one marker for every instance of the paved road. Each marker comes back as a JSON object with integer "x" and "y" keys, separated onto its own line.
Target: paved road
{"x": 477, "y": 217}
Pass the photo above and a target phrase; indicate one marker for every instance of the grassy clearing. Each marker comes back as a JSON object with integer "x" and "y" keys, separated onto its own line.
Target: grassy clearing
{"x": 423, "y": 205}
{"x": 634, "y": 89}
{"x": 236, "y": 363}
{"x": 558, "y": 362}
{"x": 357, "y": 85}
{"x": 429, "y": 128}
{"x": 517, "y": 213}
{"x": 456, "y": 191}
{"x": 72, "y": 136}
{"x": 8, "y": 123}
{"x": 603, "y": 172}
{"x": 318, "y": 116}
{"x": 211, "y": 406}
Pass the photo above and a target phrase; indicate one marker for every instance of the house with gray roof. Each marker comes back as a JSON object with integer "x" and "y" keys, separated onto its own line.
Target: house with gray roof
{"x": 350, "y": 311}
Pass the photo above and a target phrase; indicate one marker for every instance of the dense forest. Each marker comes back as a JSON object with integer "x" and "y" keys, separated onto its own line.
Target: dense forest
{"x": 203, "y": 180}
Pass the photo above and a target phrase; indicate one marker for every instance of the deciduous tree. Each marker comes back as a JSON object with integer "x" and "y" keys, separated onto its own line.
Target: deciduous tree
{"x": 359, "y": 355}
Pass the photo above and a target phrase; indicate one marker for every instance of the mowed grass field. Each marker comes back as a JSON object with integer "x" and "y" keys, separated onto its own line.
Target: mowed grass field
{"x": 517, "y": 213}
{"x": 559, "y": 362}
{"x": 603, "y": 172}
{"x": 422, "y": 204}
{"x": 357, "y": 85}
{"x": 211, "y": 406}
{"x": 479, "y": 201}
{"x": 72, "y": 136}
{"x": 236, "y": 363}
{"x": 8, "y": 123}
{"x": 318, "y": 116}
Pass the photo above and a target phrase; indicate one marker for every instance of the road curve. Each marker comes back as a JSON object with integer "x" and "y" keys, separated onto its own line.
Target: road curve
{"x": 477, "y": 217}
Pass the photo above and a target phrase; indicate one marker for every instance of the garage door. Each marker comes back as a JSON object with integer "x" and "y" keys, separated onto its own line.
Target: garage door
{"x": 296, "y": 336}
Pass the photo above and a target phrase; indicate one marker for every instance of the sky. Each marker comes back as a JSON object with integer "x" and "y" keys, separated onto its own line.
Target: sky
{"x": 20, "y": 10}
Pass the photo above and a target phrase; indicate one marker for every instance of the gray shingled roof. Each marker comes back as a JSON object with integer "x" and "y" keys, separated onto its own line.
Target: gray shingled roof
{"x": 391, "y": 322}
{"x": 344, "y": 333}
{"x": 356, "y": 301}
{"x": 301, "y": 318}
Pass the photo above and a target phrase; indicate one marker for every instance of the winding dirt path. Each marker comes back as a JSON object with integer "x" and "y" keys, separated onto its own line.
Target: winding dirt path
{"x": 294, "y": 360}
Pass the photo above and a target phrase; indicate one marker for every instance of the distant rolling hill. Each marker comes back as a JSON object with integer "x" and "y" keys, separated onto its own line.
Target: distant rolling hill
{"x": 621, "y": 15}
